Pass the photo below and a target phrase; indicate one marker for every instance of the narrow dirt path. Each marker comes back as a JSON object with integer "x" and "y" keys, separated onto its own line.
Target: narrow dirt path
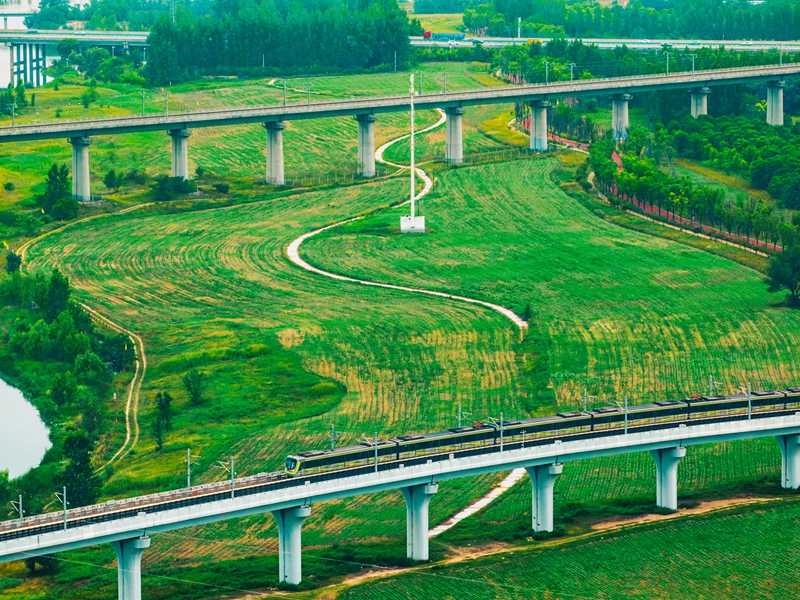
{"x": 132, "y": 404}
{"x": 293, "y": 249}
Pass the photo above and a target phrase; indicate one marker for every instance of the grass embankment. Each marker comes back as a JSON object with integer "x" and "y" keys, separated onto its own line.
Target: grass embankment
{"x": 745, "y": 553}
{"x": 318, "y": 150}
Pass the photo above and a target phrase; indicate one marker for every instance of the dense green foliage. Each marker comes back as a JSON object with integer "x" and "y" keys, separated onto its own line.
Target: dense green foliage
{"x": 705, "y": 19}
{"x": 65, "y": 365}
{"x": 276, "y": 37}
{"x": 642, "y": 180}
{"x": 440, "y": 6}
{"x": 784, "y": 273}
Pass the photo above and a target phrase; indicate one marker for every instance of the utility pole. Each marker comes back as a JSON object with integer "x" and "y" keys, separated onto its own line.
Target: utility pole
{"x": 667, "y": 55}
{"x": 18, "y": 507}
{"x": 546, "y": 73}
{"x": 62, "y": 497}
{"x": 167, "y": 105}
{"x": 585, "y": 399}
{"x": 519, "y": 27}
{"x": 420, "y": 83}
{"x": 780, "y": 59}
{"x": 309, "y": 93}
{"x": 445, "y": 84}
{"x": 284, "y": 92}
{"x": 263, "y": 61}
{"x": 693, "y": 56}
{"x": 749, "y": 402}
{"x": 334, "y": 435}
{"x": 572, "y": 72}
{"x": 189, "y": 462}
{"x": 523, "y": 438}
{"x": 230, "y": 469}
{"x": 626, "y": 415}
{"x": 142, "y": 102}
{"x": 376, "y": 451}
{"x": 395, "y": 61}
{"x": 501, "y": 433}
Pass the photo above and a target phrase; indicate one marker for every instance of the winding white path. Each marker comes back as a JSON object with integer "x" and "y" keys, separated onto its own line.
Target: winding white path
{"x": 293, "y": 249}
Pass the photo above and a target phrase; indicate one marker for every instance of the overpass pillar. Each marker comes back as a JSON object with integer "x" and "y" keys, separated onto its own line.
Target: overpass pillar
{"x": 80, "y": 168}
{"x": 418, "y": 497}
{"x": 129, "y": 567}
{"x": 366, "y": 145}
{"x": 619, "y": 116}
{"x": 699, "y": 101}
{"x": 775, "y": 102}
{"x": 290, "y": 522}
{"x": 539, "y": 125}
{"x": 543, "y": 479}
{"x": 790, "y": 463}
{"x": 454, "y": 141}
{"x": 275, "y": 152}
{"x": 667, "y": 460}
{"x": 180, "y": 152}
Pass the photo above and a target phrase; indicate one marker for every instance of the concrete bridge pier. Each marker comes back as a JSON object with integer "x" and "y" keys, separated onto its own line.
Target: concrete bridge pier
{"x": 775, "y": 102}
{"x": 699, "y": 101}
{"x": 543, "y": 478}
{"x": 129, "y": 566}
{"x": 418, "y": 497}
{"x": 80, "y": 168}
{"x": 619, "y": 116}
{"x": 180, "y": 152}
{"x": 290, "y": 522}
{"x": 454, "y": 144}
{"x": 790, "y": 461}
{"x": 275, "y": 152}
{"x": 539, "y": 125}
{"x": 667, "y": 460}
{"x": 366, "y": 145}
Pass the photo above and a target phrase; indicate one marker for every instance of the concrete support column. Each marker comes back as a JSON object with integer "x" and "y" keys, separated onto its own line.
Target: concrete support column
{"x": 275, "y": 152}
{"x": 454, "y": 140}
{"x": 366, "y": 145}
{"x": 543, "y": 478}
{"x": 790, "y": 463}
{"x": 290, "y": 522}
{"x": 619, "y": 116}
{"x": 667, "y": 460}
{"x": 699, "y": 101}
{"x": 775, "y": 102}
{"x": 80, "y": 168}
{"x": 539, "y": 125}
{"x": 129, "y": 567}
{"x": 418, "y": 497}
{"x": 180, "y": 152}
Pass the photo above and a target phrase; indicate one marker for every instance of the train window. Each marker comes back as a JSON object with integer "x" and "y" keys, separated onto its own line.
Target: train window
{"x": 291, "y": 463}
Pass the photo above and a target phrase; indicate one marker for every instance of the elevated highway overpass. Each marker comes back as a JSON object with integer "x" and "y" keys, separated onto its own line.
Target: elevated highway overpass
{"x": 128, "y": 524}
{"x": 179, "y": 126}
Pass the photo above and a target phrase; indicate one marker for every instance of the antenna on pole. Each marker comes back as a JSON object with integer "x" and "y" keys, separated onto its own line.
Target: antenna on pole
{"x": 334, "y": 436}
{"x": 412, "y": 223}
{"x": 18, "y": 507}
{"x": 62, "y": 497}
{"x": 189, "y": 462}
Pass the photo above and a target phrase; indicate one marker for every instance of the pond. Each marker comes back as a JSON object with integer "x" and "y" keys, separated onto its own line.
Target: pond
{"x": 23, "y": 436}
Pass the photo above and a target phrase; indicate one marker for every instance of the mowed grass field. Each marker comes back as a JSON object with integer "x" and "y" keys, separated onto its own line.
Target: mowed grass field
{"x": 748, "y": 553}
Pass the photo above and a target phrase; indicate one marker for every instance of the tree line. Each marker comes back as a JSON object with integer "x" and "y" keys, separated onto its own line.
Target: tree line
{"x": 702, "y": 19}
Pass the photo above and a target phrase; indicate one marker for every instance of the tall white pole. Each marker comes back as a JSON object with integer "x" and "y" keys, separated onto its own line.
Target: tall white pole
{"x": 413, "y": 183}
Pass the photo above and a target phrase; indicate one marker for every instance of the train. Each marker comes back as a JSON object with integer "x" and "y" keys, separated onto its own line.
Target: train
{"x": 481, "y": 436}
{"x": 443, "y": 37}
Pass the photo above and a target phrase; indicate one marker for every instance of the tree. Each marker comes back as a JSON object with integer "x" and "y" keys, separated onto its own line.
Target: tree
{"x": 195, "y": 384}
{"x": 65, "y": 209}
{"x": 57, "y": 186}
{"x": 13, "y": 262}
{"x": 164, "y": 409}
{"x": 19, "y": 95}
{"x": 112, "y": 180}
{"x": 784, "y": 273}
{"x": 5, "y": 488}
{"x": 64, "y": 389}
{"x": 89, "y": 96}
{"x": 90, "y": 368}
{"x": 83, "y": 487}
{"x": 158, "y": 432}
{"x": 56, "y": 295}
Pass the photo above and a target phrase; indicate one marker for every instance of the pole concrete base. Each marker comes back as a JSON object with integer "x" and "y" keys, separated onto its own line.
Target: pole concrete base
{"x": 274, "y": 173}
{"x": 290, "y": 522}
{"x": 790, "y": 461}
{"x": 775, "y": 102}
{"x": 180, "y": 152}
{"x": 81, "y": 189}
{"x": 418, "y": 497}
{"x": 410, "y": 224}
{"x": 667, "y": 460}
{"x": 366, "y": 145}
{"x": 129, "y": 567}
{"x": 454, "y": 140}
{"x": 619, "y": 116}
{"x": 539, "y": 125}
{"x": 699, "y": 101}
{"x": 543, "y": 479}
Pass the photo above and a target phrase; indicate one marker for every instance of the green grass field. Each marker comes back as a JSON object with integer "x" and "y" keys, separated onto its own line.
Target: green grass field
{"x": 747, "y": 553}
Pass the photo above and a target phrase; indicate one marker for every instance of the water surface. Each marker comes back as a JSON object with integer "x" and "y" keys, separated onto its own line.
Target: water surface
{"x": 23, "y": 436}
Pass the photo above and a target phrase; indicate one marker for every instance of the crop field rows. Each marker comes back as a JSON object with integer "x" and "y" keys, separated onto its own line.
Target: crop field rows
{"x": 749, "y": 553}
